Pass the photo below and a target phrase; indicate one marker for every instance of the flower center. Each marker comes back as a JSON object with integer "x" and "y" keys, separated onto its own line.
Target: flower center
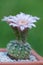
{"x": 22, "y": 22}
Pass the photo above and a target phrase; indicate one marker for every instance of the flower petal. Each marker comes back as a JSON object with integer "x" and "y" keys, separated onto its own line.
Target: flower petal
{"x": 5, "y": 18}
{"x": 12, "y": 24}
{"x": 22, "y": 28}
{"x": 33, "y": 25}
{"x": 37, "y": 18}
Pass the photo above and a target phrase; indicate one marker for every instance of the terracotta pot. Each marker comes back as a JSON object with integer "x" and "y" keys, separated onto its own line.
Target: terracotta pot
{"x": 39, "y": 62}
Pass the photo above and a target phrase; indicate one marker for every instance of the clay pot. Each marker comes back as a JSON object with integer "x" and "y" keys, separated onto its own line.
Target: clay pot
{"x": 39, "y": 62}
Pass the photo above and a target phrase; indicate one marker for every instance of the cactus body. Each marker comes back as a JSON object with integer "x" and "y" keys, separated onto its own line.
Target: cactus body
{"x": 18, "y": 50}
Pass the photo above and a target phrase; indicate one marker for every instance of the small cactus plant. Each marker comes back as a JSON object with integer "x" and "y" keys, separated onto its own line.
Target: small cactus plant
{"x": 20, "y": 48}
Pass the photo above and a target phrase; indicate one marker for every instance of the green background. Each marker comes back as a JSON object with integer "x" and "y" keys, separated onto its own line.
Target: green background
{"x": 12, "y": 7}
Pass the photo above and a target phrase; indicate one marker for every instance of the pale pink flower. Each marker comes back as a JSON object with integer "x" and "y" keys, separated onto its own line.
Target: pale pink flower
{"x": 21, "y": 21}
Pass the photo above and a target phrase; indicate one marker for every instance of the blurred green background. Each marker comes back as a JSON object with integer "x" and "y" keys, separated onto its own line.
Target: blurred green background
{"x": 12, "y": 7}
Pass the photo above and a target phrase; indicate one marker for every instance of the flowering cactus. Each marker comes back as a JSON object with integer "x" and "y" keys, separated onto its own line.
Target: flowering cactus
{"x": 19, "y": 48}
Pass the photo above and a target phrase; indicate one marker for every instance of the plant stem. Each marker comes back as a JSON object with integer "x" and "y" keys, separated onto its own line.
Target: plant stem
{"x": 21, "y": 35}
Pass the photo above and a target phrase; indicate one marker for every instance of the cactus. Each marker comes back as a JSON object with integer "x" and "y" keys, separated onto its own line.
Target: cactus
{"x": 18, "y": 50}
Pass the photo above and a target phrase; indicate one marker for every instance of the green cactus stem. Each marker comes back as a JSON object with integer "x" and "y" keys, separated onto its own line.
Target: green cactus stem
{"x": 17, "y": 50}
{"x": 21, "y": 35}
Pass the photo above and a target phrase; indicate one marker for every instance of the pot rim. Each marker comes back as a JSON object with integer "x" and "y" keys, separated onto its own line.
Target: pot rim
{"x": 39, "y": 62}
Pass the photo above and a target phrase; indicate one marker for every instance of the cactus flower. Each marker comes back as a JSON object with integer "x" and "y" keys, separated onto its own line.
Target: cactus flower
{"x": 21, "y": 21}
